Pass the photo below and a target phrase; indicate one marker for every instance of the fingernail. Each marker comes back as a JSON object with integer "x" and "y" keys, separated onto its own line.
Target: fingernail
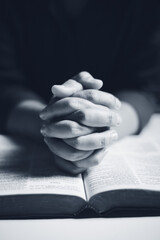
{"x": 118, "y": 104}
{"x": 114, "y": 136}
{"x": 43, "y": 130}
{"x": 42, "y": 116}
{"x": 119, "y": 120}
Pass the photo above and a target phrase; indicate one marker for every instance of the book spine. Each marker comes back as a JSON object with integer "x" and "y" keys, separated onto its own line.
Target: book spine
{"x": 85, "y": 207}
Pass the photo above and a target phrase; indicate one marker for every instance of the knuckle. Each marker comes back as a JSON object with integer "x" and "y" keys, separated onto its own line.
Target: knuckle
{"x": 71, "y": 103}
{"x": 103, "y": 142}
{"x": 110, "y": 118}
{"x": 92, "y": 95}
{"x": 66, "y": 102}
{"x": 73, "y": 128}
{"x": 81, "y": 115}
{"x": 76, "y": 143}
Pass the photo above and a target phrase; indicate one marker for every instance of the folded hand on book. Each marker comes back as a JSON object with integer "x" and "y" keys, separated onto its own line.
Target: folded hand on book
{"x": 77, "y": 122}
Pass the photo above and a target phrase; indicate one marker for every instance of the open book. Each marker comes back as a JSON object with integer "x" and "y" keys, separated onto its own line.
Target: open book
{"x": 127, "y": 182}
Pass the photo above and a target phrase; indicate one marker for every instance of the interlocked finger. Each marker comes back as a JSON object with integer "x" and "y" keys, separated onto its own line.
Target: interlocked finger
{"x": 65, "y": 129}
{"x": 93, "y": 141}
{"x": 99, "y": 98}
{"x": 94, "y": 117}
{"x": 65, "y": 151}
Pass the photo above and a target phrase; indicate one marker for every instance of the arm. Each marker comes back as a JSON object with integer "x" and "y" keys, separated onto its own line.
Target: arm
{"x": 19, "y": 105}
{"x": 138, "y": 67}
{"x": 130, "y": 121}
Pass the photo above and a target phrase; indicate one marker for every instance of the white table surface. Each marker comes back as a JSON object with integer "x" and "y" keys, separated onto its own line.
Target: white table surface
{"x": 147, "y": 228}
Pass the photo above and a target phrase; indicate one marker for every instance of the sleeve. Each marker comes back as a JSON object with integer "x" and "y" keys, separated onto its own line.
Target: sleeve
{"x": 141, "y": 68}
{"x": 13, "y": 82}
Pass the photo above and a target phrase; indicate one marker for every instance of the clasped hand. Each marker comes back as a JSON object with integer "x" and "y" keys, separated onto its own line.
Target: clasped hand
{"x": 77, "y": 123}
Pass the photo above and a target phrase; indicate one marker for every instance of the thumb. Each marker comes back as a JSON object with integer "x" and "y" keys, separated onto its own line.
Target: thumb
{"x": 83, "y": 80}
{"x": 67, "y": 89}
{"x": 88, "y": 81}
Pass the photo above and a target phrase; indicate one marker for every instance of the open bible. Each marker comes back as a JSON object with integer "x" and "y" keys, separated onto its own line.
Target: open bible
{"x": 126, "y": 183}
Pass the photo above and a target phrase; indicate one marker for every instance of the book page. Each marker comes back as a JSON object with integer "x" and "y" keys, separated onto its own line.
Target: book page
{"x": 132, "y": 163}
{"x": 29, "y": 171}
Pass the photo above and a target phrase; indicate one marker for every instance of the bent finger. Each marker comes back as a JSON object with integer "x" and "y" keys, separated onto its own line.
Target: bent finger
{"x": 66, "y": 89}
{"x": 64, "y": 106}
{"x": 65, "y": 151}
{"x": 94, "y": 117}
{"x": 77, "y": 83}
{"x": 100, "y": 98}
{"x": 87, "y": 80}
{"x": 93, "y": 141}
{"x": 65, "y": 129}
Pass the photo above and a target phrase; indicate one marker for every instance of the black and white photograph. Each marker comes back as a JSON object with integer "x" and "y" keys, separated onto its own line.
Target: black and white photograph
{"x": 79, "y": 119}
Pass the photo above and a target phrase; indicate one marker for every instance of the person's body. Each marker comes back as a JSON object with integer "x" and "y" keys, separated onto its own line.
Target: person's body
{"x": 43, "y": 43}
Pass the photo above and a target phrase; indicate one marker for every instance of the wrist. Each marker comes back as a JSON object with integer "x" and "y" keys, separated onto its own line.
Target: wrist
{"x": 130, "y": 121}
